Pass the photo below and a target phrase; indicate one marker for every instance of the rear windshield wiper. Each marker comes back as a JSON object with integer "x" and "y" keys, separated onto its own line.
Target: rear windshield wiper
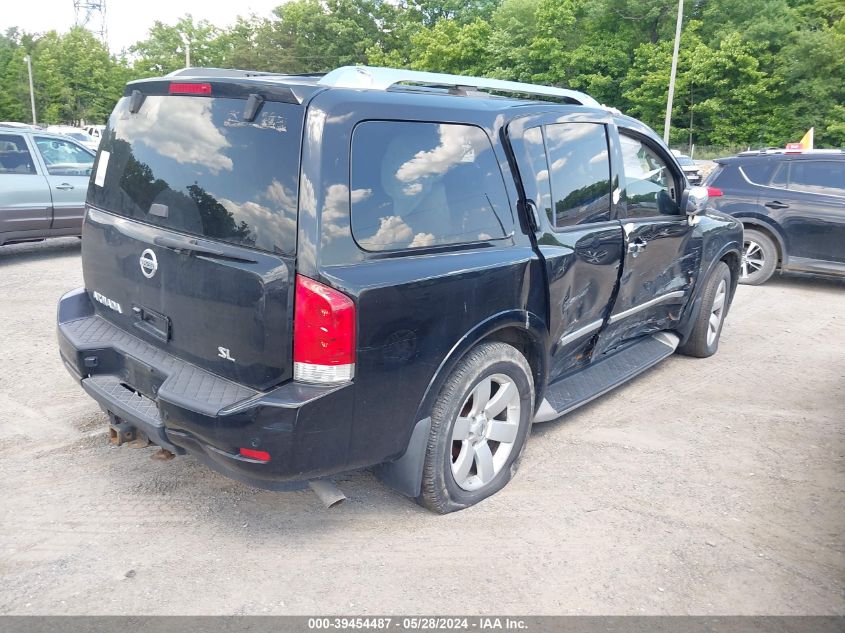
{"x": 192, "y": 247}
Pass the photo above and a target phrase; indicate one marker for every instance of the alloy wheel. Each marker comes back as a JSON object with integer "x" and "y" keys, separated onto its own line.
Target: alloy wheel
{"x": 485, "y": 431}
{"x": 717, "y": 312}
{"x": 753, "y": 259}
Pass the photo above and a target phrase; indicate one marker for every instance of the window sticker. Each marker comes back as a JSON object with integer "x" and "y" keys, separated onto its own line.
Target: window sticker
{"x": 102, "y": 166}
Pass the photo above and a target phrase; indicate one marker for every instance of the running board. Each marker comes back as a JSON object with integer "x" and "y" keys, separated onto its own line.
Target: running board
{"x": 579, "y": 388}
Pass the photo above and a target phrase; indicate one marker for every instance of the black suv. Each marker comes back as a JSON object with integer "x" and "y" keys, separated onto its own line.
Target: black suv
{"x": 792, "y": 205}
{"x": 290, "y": 277}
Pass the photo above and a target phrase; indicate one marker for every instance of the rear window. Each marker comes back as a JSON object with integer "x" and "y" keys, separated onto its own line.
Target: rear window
{"x": 823, "y": 176}
{"x": 192, "y": 164}
{"x": 418, "y": 184}
{"x": 14, "y": 155}
{"x": 759, "y": 173}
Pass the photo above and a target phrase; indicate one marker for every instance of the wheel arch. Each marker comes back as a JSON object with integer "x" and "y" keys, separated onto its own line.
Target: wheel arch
{"x": 524, "y": 330}
{"x": 771, "y": 231}
{"x": 730, "y": 254}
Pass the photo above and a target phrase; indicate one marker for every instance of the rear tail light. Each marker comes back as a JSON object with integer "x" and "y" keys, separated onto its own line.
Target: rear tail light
{"x": 323, "y": 333}
{"x": 714, "y": 192}
{"x": 190, "y": 89}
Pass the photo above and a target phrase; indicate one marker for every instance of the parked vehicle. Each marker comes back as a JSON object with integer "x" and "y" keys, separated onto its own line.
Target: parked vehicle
{"x": 291, "y": 277}
{"x": 95, "y": 131}
{"x": 691, "y": 170}
{"x": 43, "y": 183}
{"x": 77, "y": 134}
{"x": 19, "y": 125}
{"x": 792, "y": 205}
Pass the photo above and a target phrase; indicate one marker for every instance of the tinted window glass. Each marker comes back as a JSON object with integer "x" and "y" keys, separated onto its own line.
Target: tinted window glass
{"x": 537, "y": 169}
{"x": 781, "y": 176}
{"x": 580, "y": 172}
{"x": 14, "y": 155}
{"x": 64, "y": 158}
{"x": 759, "y": 173}
{"x": 649, "y": 183}
{"x": 192, "y": 164}
{"x": 424, "y": 184}
{"x": 825, "y": 177}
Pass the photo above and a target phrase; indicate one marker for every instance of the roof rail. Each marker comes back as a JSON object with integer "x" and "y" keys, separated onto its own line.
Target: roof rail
{"x": 373, "y": 78}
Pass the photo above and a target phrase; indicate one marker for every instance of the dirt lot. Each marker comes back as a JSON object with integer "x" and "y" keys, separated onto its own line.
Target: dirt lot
{"x": 705, "y": 486}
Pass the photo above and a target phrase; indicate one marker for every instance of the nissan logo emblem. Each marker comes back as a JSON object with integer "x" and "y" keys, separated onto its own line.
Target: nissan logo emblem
{"x": 149, "y": 263}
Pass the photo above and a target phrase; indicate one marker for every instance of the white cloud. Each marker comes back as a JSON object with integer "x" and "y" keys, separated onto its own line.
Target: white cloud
{"x": 598, "y": 158}
{"x": 278, "y": 194}
{"x": 392, "y": 232}
{"x": 422, "y": 239}
{"x": 269, "y": 228}
{"x": 180, "y": 129}
{"x": 458, "y": 143}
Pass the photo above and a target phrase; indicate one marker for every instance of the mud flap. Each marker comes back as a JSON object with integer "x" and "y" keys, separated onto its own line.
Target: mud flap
{"x": 405, "y": 474}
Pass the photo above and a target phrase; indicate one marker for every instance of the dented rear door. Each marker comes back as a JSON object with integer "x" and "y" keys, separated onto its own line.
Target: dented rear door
{"x": 563, "y": 160}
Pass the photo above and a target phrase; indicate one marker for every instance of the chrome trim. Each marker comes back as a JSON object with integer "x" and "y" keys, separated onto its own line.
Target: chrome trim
{"x": 677, "y": 294}
{"x": 375, "y": 78}
{"x": 580, "y": 332}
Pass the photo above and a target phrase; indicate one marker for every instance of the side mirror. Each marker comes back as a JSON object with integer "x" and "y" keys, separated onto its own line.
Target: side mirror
{"x": 695, "y": 201}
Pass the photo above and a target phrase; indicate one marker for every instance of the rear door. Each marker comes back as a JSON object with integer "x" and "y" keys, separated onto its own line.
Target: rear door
{"x": 661, "y": 259}
{"x": 25, "y": 203}
{"x": 67, "y": 167}
{"x": 813, "y": 210}
{"x": 191, "y": 229}
{"x": 566, "y": 173}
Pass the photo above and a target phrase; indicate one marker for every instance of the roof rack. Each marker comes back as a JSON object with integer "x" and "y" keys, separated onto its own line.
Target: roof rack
{"x": 373, "y": 78}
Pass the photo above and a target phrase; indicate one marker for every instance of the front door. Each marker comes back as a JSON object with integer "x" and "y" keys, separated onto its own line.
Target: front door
{"x": 566, "y": 175}
{"x": 68, "y": 169}
{"x": 661, "y": 260}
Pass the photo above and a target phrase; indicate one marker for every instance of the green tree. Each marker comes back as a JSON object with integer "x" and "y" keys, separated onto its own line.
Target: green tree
{"x": 164, "y": 49}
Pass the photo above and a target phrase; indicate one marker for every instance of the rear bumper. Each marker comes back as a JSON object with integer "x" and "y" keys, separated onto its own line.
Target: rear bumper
{"x": 185, "y": 409}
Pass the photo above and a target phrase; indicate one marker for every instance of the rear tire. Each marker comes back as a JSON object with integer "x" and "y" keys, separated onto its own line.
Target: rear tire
{"x": 704, "y": 339}
{"x": 479, "y": 425}
{"x": 759, "y": 258}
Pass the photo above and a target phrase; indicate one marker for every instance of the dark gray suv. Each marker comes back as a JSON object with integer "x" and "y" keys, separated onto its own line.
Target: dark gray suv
{"x": 792, "y": 204}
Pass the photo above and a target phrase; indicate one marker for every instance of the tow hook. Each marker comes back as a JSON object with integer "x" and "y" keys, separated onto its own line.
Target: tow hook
{"x": 328, "y": 493}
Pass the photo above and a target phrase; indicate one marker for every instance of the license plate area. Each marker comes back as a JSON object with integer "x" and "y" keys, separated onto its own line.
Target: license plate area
{"x": 152, "y": 322}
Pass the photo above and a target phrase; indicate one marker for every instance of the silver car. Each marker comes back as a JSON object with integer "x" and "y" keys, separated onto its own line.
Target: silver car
{"x": 43, "y": 184}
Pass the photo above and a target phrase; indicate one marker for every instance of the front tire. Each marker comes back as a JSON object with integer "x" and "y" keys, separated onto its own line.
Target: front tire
{"x": 759, "y": 258}
{"x": 479, "y": 425}
{"x": 715, "y": 300}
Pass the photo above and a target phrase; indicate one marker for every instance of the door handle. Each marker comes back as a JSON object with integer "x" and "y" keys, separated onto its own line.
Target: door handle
{"x": 637, "y": 246}
{"x": 775, "y": 204}
{"x": 65, "y": 186}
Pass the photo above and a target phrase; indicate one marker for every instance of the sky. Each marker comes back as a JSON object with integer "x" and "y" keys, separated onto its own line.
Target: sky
{"x": 127, "y": 21}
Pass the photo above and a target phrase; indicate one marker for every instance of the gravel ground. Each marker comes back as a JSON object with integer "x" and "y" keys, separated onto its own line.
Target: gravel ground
{"x": 703, "y": 487}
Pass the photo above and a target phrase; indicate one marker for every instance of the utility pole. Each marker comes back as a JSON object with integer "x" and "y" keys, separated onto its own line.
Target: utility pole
{"x": 668, "y": 121}
{"x": 28, "y": 61}
{"x": 187, "y": 41}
